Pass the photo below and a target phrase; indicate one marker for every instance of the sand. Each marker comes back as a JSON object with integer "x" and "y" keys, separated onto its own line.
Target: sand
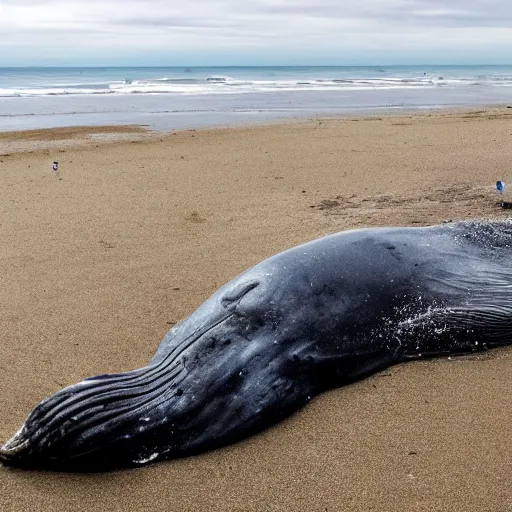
{"x": 97, "y": 265}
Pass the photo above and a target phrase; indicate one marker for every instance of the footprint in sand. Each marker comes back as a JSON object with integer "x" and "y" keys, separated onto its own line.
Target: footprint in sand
{"x": 195, "y": 217}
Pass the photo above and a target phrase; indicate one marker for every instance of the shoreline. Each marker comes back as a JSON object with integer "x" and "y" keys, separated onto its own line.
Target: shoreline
{"x": 164, "y": 121}
{"x": 40, "y": 139}
{"x": 136, "y": 234}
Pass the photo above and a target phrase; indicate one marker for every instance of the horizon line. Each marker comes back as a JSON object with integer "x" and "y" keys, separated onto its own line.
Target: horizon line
{"x": 250, "y": 66}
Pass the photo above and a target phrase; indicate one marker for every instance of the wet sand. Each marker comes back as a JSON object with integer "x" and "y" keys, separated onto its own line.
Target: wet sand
{"x": 96, "y": 266}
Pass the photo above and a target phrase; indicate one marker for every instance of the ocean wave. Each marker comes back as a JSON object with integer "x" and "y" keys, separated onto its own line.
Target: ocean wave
{"x": 55, "y": 91}
{"x": 217, "y": 84}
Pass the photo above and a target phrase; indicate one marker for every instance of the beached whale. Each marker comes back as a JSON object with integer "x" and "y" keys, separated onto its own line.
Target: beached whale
{"x": 308, "y": 319}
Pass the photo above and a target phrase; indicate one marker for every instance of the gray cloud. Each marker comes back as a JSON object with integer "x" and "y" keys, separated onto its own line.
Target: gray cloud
{"x": 329, "y": 26}
{"x": 472, "y": 13}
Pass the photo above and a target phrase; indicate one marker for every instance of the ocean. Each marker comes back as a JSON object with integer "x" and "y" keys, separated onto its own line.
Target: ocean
{"x": 167, "y": 98}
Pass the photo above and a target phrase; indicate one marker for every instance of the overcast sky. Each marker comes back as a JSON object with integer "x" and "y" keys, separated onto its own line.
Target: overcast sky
{"x": 254, "y": 32}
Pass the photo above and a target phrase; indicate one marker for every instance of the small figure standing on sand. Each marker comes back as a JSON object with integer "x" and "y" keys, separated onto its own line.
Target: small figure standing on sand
{"x": 500, "y": 187}
{"x": 55, "y": 168}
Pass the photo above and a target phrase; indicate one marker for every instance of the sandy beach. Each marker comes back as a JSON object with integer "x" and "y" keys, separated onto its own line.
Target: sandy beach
{"x": 142, "y": 227}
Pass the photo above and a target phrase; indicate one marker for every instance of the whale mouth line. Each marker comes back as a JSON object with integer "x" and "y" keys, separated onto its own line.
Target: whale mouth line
{"x": 107, "y": 387}
{"x": 23, "y": 441}
{"x": 194, "y": 337}
{"x": 64, "y": 425}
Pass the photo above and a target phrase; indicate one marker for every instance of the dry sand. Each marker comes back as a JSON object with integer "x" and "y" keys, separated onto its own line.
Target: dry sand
{"x": 97, "y": 265}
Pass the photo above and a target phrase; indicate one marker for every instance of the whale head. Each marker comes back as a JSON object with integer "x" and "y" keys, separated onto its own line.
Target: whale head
{"x": 225, "y": 372}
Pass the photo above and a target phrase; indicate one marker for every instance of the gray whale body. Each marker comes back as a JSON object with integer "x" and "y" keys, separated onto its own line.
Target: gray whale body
{"x": 314, "y": 317}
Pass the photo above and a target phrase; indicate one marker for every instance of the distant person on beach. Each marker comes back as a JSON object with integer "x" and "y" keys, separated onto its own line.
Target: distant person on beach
{"x": 55, "y": 168}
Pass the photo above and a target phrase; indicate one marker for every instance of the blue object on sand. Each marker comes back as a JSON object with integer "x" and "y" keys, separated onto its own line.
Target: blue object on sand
{"x": 500, "y": 186}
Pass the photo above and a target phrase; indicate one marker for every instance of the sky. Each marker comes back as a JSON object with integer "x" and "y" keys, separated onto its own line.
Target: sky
{"x": 254, "y": 32}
